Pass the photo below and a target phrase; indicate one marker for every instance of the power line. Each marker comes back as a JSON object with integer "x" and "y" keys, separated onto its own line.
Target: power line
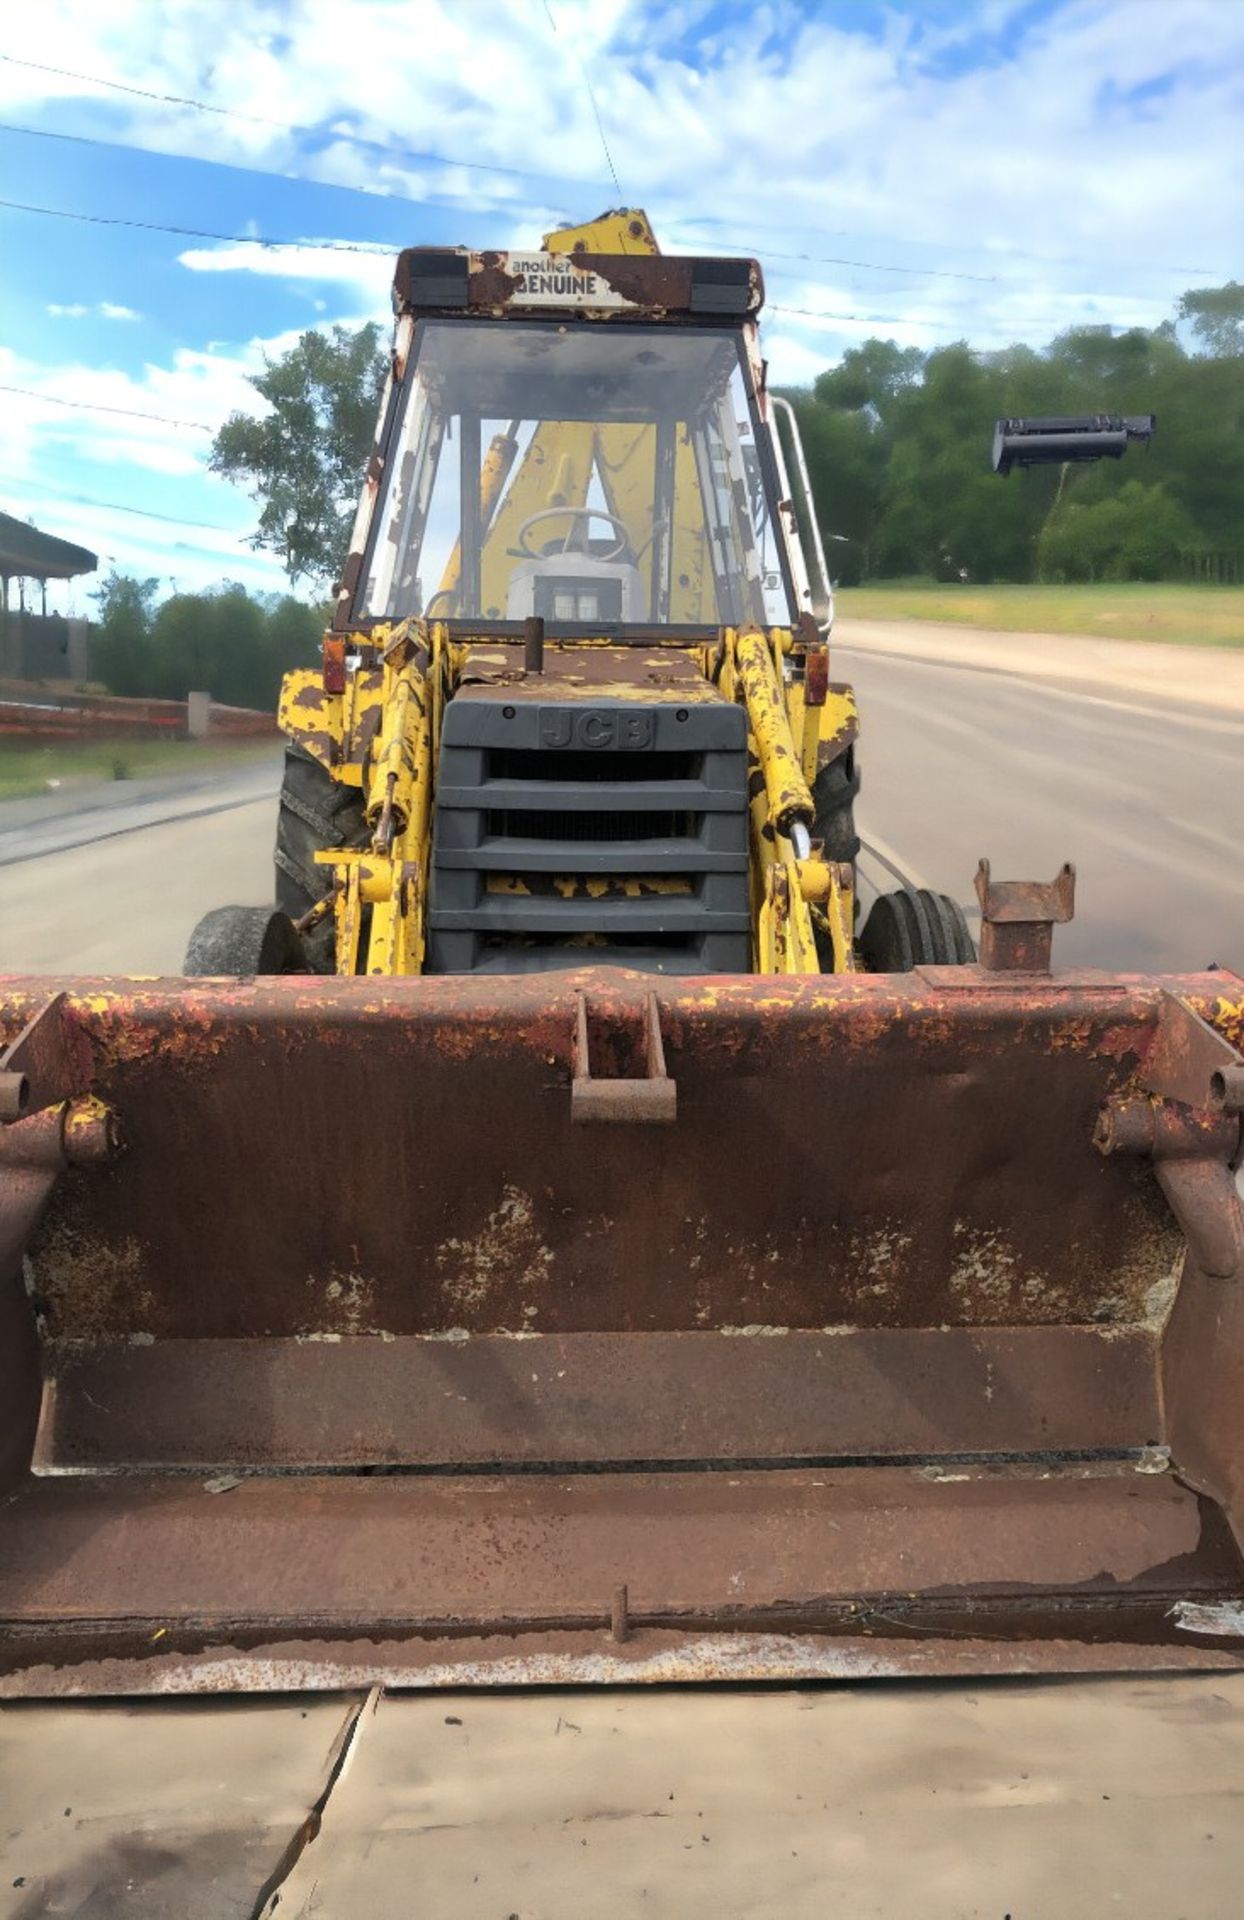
{"x": 115, "y": 506}
{"x": 994, "y": 253}
{"x": 872, "y": 266}
{"x": 374, "y": 249}
{"x": 294, "y": 126}
{"x": 377, "y": 248}
{"x": 591, "y": 94}
{"x": 267, "y": 173}
{"x": 383, "y": 249}
{"x": 95, "y": 406}
{"x": 261, "y": 173}
{"x": 421, "y": 155}
{"x": 949, "y": 320}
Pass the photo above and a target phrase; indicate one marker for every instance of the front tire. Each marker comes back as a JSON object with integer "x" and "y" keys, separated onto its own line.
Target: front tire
{"x": 244, "y": 941}
{"x": 315, "y": 813}
{"x": 833, "y": 796}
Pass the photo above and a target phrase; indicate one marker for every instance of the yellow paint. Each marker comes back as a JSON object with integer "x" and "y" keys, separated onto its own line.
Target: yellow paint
{"x": 493, "y": 475}
{"x": 764, "y": 695}
{"x": 839, "y": 719}
{"x": 611, "y": 233}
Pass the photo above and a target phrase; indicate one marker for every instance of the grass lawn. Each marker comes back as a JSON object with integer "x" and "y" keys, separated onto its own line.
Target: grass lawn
{"x": 27, "y": 768}
{"x": 1190, "y": 615}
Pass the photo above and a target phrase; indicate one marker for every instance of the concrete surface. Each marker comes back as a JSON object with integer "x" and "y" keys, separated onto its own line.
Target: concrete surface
{"x": 121, "y": 1812}
{"x": 1039, "y": 1800}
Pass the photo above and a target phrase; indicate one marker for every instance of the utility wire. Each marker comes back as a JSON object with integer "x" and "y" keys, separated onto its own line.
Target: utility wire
{"x": 949, "y": 320}
{"x": 262, "y": 173}
{"x": 921, "y": 273}
{"x": 386, "y": 249}
{"x": 294, "y": 126}
{"x": 95, "y": 406}
{"x": 24, "y": 486}
{"x": 383, "y": 249}
{"x": 421, "y": 155}
{"x": 994, "y": 253}
{"x": 375, "y": 249}
{"x": 587, "y": 81}
{"x": 371, "y": 248}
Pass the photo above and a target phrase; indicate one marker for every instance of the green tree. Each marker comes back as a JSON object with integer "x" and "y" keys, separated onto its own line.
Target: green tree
{"x": 303, "y": 459}
{"x": 1216, "y": 315}
{"x": 898, "y": 441}
{"x": 1139, "y": 533}
{"x": 121, "y": 653}
{"x": 213, "y": 641}
{"x": 226, "y": 641}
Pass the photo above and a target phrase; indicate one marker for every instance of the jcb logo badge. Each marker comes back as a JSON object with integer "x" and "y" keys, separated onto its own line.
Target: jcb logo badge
{"x": 620, "y": 728}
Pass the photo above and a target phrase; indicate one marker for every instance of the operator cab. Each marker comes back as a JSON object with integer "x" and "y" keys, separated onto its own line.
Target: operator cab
{"x": 609, "y": 465}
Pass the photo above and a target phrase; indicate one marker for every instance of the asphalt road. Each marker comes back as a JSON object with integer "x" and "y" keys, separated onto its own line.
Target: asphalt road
{"x": 112, "y": 879}
{"x": 1145, "y": 794}
{"x": 1147, "y": 800}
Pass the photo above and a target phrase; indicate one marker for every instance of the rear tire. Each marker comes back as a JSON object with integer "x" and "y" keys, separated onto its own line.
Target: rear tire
{"x": 913, "y": 927}
{"x": 245, "y": 941}
{"x": 316, "y": 813}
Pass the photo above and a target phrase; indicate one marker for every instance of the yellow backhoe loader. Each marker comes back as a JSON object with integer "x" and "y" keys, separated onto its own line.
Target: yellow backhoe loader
{"x": 576, "y": 703}
{"x": 557, "y": 1242}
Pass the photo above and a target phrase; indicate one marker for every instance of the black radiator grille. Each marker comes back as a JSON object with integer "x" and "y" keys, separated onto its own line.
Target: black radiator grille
{"x": 516, "y": 819}
{"x": 504, "y": 823}
{"x": 571, "y": 768}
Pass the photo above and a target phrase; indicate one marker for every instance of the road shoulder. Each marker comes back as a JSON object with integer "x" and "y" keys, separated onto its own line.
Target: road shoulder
{"x": 1150, "y": 673}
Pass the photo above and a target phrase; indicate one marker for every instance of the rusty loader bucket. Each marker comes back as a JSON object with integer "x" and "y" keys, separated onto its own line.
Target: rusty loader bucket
{"x": 596, "y": 1327}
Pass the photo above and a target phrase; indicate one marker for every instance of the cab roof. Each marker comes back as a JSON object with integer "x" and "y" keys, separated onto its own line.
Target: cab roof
{"x": 444, "y": 280}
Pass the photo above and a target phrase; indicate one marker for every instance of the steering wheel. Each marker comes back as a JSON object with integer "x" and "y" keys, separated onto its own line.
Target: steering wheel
{"x": 572, "y": 514}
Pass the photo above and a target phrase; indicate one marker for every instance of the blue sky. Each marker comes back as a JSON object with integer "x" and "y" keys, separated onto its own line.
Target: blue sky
{"x": 989, "y": 169}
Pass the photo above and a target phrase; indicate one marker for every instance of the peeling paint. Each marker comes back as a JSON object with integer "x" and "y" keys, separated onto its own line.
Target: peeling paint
{"x": 507, "y": 1254}
{"x": 1223, "y": 1618}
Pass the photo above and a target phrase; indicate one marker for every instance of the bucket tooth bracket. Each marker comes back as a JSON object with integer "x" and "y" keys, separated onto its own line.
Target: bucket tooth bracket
{"x": 47, "y": 1123}
{"x": 650, "y": 1101}
{"x": 1186, "y": 1121}
{"x": 1018, "y": 918}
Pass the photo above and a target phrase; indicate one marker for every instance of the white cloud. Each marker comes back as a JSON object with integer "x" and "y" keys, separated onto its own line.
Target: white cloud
{"x": 1069, "y": 162}
{"x": 789, "y": 129}
{"x": 369, "y": 276}
{"x": 102, "y": 310}
{"x": 54, "y": 436}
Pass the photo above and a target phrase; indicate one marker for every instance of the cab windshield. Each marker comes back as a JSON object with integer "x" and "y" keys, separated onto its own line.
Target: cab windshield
{"x": 593, "y": 473}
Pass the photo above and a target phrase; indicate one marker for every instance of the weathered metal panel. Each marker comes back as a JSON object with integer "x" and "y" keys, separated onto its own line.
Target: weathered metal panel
{"x": 354, "y": 1226}
{"x": 493, "y": 1400}
{"x": 399, "y": 1157}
